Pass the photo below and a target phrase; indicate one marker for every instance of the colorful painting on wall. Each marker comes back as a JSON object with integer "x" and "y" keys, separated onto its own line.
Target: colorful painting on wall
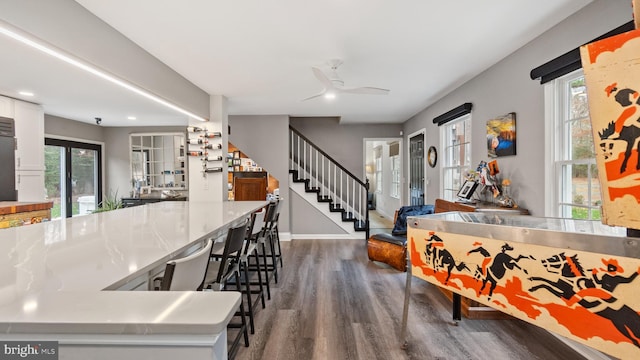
{"x": 589, "y": 297}
{"x": 501, "y": 136}
{"x": 612, "y": 73}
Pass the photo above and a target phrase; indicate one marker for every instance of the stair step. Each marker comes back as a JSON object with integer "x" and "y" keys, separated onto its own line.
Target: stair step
{"x": 347, "y": 216}
{"x": 312, "y": 189}
{"x": 324, "y": 198}
{"x": 360, "y": 225}
{"x": 335, "y": 208}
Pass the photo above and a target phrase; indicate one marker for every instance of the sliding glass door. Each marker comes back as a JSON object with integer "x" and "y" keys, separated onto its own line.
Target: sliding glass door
{"x": 73, "y": 177}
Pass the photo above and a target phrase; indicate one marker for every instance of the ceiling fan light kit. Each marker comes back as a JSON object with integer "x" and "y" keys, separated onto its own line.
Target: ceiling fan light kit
{"x": 334, "y": 85}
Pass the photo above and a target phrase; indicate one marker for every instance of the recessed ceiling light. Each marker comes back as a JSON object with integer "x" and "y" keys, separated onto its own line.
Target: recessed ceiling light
{"x": 330, "y": 96}
{"x": 26, "y": 93}
{"x": 131, "y": 117}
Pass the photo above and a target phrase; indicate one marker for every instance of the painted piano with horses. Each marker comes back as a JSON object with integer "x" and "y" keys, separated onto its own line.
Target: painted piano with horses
{"x": 576, "y": 278}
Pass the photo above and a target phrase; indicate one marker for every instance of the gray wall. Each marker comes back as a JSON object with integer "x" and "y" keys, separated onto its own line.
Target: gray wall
{"x": 58, "y": 126}
{"x": 65, "y": 24}
{"x": 345, "y": 143}
{"x": 306, "y": 219}
{"x": 265, "y": 139}
{"x": 507, "y": 87}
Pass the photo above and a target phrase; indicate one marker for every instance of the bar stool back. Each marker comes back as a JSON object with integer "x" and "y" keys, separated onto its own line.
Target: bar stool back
{"x": 187, "y": 273}
{"x": 222, "y": 270}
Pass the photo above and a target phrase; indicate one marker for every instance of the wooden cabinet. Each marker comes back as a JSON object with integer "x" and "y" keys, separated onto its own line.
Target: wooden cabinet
{"x": 250, "y": 186}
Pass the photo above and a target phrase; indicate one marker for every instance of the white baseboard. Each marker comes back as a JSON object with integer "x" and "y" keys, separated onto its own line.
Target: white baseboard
{"x": 327, "y": 236}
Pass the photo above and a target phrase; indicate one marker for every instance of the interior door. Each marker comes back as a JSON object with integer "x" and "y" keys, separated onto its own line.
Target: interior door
{"x": 416, "y": 170}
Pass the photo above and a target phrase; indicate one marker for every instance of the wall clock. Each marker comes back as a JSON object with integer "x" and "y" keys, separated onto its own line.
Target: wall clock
{"x": 432, "y": 156}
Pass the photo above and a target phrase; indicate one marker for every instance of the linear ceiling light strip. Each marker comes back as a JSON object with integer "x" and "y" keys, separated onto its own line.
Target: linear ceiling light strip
{"x": 27, "y": 40}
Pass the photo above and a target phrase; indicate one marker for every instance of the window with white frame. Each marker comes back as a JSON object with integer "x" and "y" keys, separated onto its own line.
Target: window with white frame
{"x": 574, "y": 190}
{"x": 395, "y": 177}
{"x": 378, "y": 163}
{"x": 456, "y": 150}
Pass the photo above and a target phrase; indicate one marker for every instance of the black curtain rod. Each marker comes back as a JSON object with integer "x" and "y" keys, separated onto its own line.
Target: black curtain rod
{"x": 453, "y": 114}
{"x": 571, "y": 61}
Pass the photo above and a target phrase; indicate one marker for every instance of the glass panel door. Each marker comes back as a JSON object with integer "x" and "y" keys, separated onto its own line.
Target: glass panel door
{"x": 84, "y": 168}
{"x": 73, "y": 175}
{"x": 54, "y": 179}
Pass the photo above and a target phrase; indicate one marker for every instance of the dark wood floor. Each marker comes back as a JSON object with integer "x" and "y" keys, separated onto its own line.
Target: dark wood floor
{"x": 332, "y": 303}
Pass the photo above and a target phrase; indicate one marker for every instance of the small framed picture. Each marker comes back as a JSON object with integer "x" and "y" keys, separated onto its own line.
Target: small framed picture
{"x": 467, "y": 189}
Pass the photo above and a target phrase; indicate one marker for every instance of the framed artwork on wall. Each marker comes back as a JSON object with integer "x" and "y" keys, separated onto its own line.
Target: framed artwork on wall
{"x": 501, "y": 136}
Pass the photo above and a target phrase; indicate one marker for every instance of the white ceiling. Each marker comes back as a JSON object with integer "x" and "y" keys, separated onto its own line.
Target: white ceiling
{"x": 259, "y": 54}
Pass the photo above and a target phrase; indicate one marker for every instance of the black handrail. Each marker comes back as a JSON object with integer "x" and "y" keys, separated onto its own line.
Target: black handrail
{"x": 328, "y": 157}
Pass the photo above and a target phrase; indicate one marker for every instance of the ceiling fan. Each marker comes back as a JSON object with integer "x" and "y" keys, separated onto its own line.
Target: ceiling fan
{"x": 334, "y": 85}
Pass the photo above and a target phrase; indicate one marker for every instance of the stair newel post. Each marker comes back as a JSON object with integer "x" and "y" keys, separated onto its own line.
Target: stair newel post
{"x": 359, "y": 203}
{"x": 350, "y": 197}
{"x": 366, "y": 224}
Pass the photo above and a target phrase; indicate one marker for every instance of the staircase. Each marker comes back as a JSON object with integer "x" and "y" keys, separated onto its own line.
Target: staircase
{"x": 328, "y": 185}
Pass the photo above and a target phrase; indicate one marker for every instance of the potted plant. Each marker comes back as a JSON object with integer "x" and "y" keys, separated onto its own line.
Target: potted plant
{"x": 111, "y": 202}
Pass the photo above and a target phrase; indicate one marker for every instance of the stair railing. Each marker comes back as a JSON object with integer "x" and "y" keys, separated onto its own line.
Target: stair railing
{"x": 333, "y": 183}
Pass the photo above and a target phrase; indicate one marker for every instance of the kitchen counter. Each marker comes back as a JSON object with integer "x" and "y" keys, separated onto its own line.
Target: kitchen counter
{"x": 53, "y": 276}
{"x": 14, "y": 213}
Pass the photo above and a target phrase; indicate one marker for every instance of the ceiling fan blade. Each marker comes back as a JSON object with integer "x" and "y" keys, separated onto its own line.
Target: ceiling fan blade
{"x": 322, "y": 77}
{"x": 366, "y": 90}
{"x": 314, "y": 96}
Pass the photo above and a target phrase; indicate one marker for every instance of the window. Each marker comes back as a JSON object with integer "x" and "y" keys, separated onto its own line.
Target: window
{"x": 378, "y": 159}
{"x": 573, "y": 190}
{"x": 456, "y": 145}
{"x": 395, "y": 177}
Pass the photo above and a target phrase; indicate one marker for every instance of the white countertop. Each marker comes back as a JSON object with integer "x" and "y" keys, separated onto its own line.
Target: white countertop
{"x": 123, "y": 312}
{"x": 70, "y": 261}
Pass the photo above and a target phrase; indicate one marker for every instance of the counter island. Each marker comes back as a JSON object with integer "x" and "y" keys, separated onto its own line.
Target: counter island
{"x": 68, "y": 281}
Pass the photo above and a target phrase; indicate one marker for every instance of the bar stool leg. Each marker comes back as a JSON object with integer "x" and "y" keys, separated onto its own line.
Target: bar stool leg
{"x": 248, "y": 291}
{"x": 259, "y": 271}
{"x": 274, "y": 261}
{"x": 242, "y": 313}
{"x": 266, "y": 270}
